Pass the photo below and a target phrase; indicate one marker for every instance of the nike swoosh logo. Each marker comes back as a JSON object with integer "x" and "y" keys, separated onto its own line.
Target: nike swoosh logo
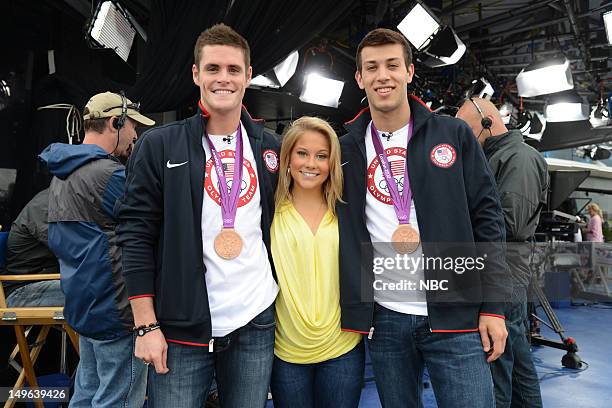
{"x": 172, "y": 165}
{"x": 344, "y": 163}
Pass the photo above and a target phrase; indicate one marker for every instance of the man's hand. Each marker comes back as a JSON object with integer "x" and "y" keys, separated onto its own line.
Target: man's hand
{"x": 493, "y": 334}
{"x": 152, "y": 348}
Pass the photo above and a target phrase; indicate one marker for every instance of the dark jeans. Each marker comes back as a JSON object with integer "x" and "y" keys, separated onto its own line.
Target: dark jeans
{"x": 403, "y": 345}
{"x": 334, "y": 383}
{"x": 242, "y": 362}
{"x": 514, "y": 375}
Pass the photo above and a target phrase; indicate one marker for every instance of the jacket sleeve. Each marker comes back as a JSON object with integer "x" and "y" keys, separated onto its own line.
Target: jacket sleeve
{"x": 487, "y": 224}
{"x": 139, "y": 214}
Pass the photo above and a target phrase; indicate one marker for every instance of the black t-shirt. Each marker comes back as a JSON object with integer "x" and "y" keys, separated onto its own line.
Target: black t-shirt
{"x": 27, "y": 249}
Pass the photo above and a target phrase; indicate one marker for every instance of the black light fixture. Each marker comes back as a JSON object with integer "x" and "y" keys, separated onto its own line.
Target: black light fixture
{"x": 278, "y": 76}
{"x": 594, "y": 153}
{"x": 480, "y": 88}
{"x": 112, "y": 26}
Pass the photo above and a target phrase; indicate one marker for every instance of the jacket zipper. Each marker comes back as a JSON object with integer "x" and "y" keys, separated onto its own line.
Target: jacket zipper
{"x": 211, "y": 345}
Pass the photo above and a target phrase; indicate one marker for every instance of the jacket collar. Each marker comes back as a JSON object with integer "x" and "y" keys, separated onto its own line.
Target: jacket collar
{"x": 494, "y": 143}
{"x": 357, "y": 126}
{"x": 254, "y": 127}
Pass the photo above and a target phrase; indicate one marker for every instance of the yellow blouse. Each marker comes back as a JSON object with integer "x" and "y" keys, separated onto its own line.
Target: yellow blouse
{"x": 308, "y": 305}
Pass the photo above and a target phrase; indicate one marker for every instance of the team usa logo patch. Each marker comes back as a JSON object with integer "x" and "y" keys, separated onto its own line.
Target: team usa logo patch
{"x": 271, "y": 160}
{"x": 443, "y": 155}
{"x": 377, "y": 185}
{"x": 248, "y": 185}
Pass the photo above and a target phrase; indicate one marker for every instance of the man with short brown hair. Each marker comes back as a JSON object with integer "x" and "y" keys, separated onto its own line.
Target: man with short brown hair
{"x": 416, "y": 178}
{"x": 195, "y": 231}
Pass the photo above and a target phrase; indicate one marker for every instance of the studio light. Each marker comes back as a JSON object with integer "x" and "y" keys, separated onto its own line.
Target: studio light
{"x": 263, "y": 81}
{"x": 531, "y": 124}
{"x": 599, "y": 153}
{"x": 594, "y": 153}
{"x": 538, "y": 124}
{"x": 599, "y": 115}
{"x": 278, "y": 76}
{"x": 5, "y": 89}
{"x": 607, "y": 18}
{"x": 523, "y": 123}
{"x": 419, "y": 26}
{"x": 439, "y": 44}
{"x": 480, "y": 88}
{"x": 434, "y": 55}
{"x": 505, "y": 112}
{"x": 5, "y": 94}
{"x": 566, "y": 107}
{"x": 545, "y": 77}
{"x": 320, "y": 90}
{"x": 114, "y": 27}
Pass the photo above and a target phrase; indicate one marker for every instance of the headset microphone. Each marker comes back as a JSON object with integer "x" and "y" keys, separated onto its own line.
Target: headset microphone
{"x": 120, "y": 121}
{"x": 485, "y": 122}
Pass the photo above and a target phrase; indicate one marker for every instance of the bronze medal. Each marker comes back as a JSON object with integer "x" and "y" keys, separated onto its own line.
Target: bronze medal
{"x": 405, "y": 239}
{"x": 228, "y": 244}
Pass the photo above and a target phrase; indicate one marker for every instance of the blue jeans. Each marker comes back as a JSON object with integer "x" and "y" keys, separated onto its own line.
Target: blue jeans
{"x": 37, "y": 294}
{"x": 514, "y": 375}
{"x": 242, "y": 362}
{"x": 403, "y": 345}
{"x": 109, "y": 375}
{"x": 334, "y": 383}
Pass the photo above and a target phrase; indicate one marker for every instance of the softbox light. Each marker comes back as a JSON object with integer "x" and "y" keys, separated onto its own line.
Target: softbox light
{"x": 607, "y": 18}
{"x": 434, "y": 60}
{"x": 112, "y": 29}
{"x": 545, "y": 77}
{"x": 566, "y": 107}
{"x": 320, "y": 90}
{"x": 278, "y": 76}
{"x": 419, "y": 26}
{"x": 440, "y": 45}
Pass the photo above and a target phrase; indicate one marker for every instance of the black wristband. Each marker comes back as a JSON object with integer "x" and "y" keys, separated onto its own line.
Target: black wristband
{"x": 144, "y": 329}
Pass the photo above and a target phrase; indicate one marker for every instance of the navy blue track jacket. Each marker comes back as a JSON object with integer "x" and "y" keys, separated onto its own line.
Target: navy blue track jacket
{"x": 455, "y": 204}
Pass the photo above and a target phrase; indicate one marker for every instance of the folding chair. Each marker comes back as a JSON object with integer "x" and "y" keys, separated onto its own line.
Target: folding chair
{"x": 23, "y": 319}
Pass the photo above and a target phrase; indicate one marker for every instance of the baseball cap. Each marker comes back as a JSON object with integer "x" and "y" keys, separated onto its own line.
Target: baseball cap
{"x": 107, "y": 104}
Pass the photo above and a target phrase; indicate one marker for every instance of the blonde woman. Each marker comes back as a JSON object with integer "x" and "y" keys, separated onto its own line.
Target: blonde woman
{"x": 315, "y": 363}
{"x": 594, "y": 228}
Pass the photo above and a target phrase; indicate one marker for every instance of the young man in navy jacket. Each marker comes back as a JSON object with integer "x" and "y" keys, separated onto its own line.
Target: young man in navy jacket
{"x": 195, "y": 236}
{"x": 451, "y": 199}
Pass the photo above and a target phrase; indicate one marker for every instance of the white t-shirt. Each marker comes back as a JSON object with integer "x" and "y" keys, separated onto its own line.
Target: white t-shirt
{"x": 241, "y": 288}
{"x": 381, "y": 221}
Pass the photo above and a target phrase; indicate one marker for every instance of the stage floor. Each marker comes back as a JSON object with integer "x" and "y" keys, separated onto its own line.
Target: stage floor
{"x": 591, "y": 327}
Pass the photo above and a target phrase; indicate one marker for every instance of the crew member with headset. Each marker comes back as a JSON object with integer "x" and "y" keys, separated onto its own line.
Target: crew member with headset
{"x": 88, "y": 180}
{"x": 521, "y": 175}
